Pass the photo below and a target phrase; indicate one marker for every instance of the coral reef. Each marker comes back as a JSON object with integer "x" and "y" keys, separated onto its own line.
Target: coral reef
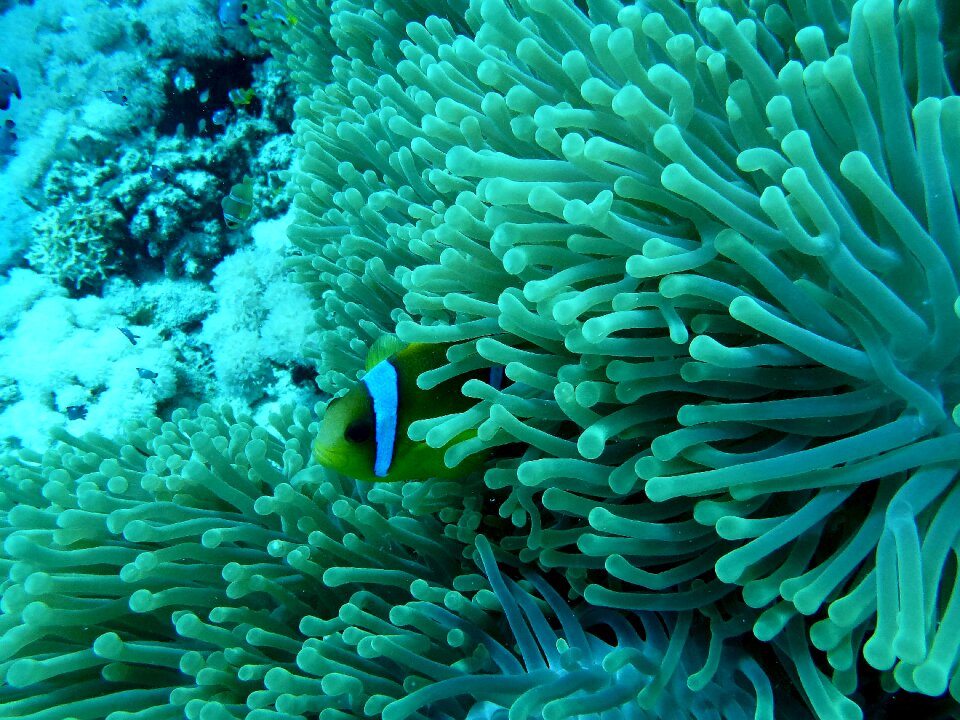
{"x": 75, "y": 60}
{"x": 120, "y": 179}
{"x": 155, "y": 204}
{"x": 59, "y": 353}
{"x": 261, "y": 322}
{"x": 67, "y": 54}
{"x": 237, "y": 340}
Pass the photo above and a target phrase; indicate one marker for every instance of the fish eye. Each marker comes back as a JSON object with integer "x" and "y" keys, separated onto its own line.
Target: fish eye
{"x": 358, "y": 431}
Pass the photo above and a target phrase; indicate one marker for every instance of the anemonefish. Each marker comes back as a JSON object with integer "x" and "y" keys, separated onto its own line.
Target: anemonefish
{"x": 241, "y": 96}
{"x": 363, "y": 434}
{"x": 238, "y": 204}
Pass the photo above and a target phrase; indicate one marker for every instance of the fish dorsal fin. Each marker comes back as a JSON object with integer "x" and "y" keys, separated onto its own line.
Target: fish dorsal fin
{"x": 383, "y": 347}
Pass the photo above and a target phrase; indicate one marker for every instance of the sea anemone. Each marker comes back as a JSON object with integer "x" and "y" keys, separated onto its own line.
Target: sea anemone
{"x": 179, "y": 571}
{"x": 716, "y": 247}
{"x": 198, "y": 569}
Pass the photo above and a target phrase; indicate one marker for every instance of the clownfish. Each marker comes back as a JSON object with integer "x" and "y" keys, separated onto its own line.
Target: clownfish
{"x": 241, "y": 96}
{"x": 363, "y": 434}
{"x": 238, "y": 204}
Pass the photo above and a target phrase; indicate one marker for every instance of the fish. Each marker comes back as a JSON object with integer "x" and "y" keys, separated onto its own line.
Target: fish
{"x": 7, "y": 139}
{"x": 241, "y": 96}
{"x": 282, "y": 13}
{"x": 76, "y": 412}
{"x": 183, "y": 80}
{"x": 238, "y": 203}
{"x": 363, "y": 434}
{"x": 274, "y": 10}
{"x": 9, "y": 86}
{"x": 116, "y": 96}
{"x": 230, "y": 13}
{"x": 146, "y": 374}
{"x": 128, "y": 334}
{"x": 31, "y": 197}
{"x": 220, "y": 117}
{"x": 160, "y": 174}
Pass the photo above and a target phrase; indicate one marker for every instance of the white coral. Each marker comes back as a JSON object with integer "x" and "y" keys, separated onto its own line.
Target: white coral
{"x": 60, "y": 352}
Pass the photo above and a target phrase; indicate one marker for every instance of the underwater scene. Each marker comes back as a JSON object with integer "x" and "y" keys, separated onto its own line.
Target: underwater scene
{"x": 479, "y": 359}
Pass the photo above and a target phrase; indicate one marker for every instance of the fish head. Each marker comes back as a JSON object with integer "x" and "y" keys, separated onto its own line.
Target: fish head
{"x": 230, "y": 13}
{"x": 347, "y": 438}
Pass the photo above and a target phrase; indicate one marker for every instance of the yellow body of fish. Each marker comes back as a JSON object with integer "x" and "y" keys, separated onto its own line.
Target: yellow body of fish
{"x": 238, "y": 204}
{"x": 351, "y": 442}
{"x": 241, "y": 96}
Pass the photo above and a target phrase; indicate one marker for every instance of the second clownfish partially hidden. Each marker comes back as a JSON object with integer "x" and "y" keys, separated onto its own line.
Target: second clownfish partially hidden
{"x": 363, "y": 434}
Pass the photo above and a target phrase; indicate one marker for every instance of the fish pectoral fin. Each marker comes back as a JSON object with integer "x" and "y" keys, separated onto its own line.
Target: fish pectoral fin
{"x": 420, "y": 461}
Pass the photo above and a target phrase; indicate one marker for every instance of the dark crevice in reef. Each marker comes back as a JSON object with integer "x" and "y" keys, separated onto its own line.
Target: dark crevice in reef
{"x": 189, "y": 107}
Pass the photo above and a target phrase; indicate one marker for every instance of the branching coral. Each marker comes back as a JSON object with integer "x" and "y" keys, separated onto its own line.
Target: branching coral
{"x": 716, "y": 247}
{"x": 70, "y": 246}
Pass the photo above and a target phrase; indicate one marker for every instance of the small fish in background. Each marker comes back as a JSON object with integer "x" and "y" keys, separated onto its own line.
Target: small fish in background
{"x": 184, "y": 80}
{"x": 363, "y": 434}
{"x": 128, "y": 334}
{"x": 241, "y": 96}
{"x": 76, "y": 412}
{"x": 7, "y": 139}
{"x": 282, "y": 13}
{"x": 33, "y": 198}
{"x": 231, "y": 13}
{"x": 204, "y": 96}
{"x": 146, "y": 374}
{"x": 277, "y": 10}
{"x": 9, "y": 86}
{"x": 160, "y": 174}
{"x": 117, "y": 97}
{"x": 238, "y": 204}
{"x": 220, "y": 117}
